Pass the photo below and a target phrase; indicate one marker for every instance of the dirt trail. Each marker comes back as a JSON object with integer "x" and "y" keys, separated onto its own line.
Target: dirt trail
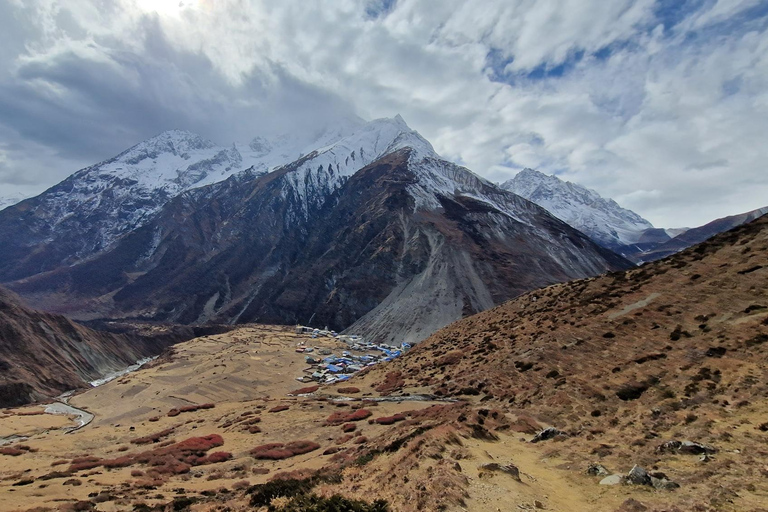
{"x": 553, "y": 488}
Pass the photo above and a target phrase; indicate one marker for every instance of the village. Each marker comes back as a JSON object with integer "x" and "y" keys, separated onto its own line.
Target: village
{"x": 326, "y": 368}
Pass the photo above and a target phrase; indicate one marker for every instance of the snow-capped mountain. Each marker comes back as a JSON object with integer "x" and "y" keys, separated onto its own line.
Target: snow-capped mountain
{"x": 88, "y": 211}
{"x": 603, "y": 220}
{"x": 11, "y": 199}
{"x": 373, "y": 231}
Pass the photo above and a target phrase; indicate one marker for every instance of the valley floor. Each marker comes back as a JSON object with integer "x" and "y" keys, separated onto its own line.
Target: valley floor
{"x": 430, "y": 457}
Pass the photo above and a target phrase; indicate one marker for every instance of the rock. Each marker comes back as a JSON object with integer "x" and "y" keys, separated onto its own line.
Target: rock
{"x": 691, "y": 448}
{"x": 685, "y": 447}
{"x": 612, "y": 480}
{"x": 668, "y": 446}
{"x": 538, "y": 504}
{"x": 632, "y": 505}
{"x": 638, "y": 476}
{"x": 547, "y": 433}
{"x": 663, "y": 484}
{"x": 509, "y": 469}
{"x": 597, "y": 470}
{"x": 705, "y": 457}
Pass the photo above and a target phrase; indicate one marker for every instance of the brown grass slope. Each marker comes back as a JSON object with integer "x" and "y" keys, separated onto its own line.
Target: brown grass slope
{"x": 43, "y": 355}
{"x": 676, "y": 349}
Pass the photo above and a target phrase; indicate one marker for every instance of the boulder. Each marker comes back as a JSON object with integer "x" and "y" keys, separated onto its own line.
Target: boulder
{"x": 685, "y": 447}
{"x": 612, "y": 480}
{"x": 509, "y": 469}
{"x": 546, "y": 434}
{"x": 663, "y": 484}
{"x": 691, "y": 448}
{"x": 595, "y": 469}
{"x": 638, "y": 476}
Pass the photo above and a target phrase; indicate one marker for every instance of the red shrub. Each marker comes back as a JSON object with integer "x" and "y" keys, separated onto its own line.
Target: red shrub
{"x": 301, "y": 447}
{"x": 304, "y": 391}
{"x": 349, "y": 427}
{"x": 348, "y": 390}
{"x": 338, "y": 418}
{"x": 197, "y": 444}
{"x": 392, "y": 382}
{"x": 81, "y": 466}
{"x": 217, "y": 457}
{"x": 120, "y": 462}
{"x": 59, "y": 462}
{"x": 137, "y": 472}
{"x": 389, "y": 420}
{"x": 189, "y": 408}
{"x": 173, "y": 459}
{"x": 278, "y": 451}
{"x": 265, "y": 447}
{"x": 279, "y": 408}
{"x": 331, "y": 450}
{"x": 154, "y": 418}
{"x": 86, "y": 458}
{"x": 360, "y": 440}
{"x": 274, "y": 454}
{"x": 344, "y": 439}
{"x": 254, "y": 429}
{"x": 170, "y": 468}
{"x": 10, "y": 450}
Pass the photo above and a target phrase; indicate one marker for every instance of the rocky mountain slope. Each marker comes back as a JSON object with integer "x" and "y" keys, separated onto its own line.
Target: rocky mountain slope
{"x": 87, "y": 212}
{"x": 10, "y": 200}
{"x": 608, "y": 224}
{"x": 374, "y": 229}
{"x": 603, "y": 220}
{"x": 676, "y": 350}
{"x": 692, "y": 236}
{"x": 640, "y": 391}
{"x": 43, "y": 355}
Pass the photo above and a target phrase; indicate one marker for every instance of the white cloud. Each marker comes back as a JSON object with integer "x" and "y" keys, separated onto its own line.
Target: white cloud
{"x": 667, "y": 120}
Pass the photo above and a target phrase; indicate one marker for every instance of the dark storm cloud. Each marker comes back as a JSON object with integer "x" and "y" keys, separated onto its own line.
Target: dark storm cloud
{"x": 91, "y": 105}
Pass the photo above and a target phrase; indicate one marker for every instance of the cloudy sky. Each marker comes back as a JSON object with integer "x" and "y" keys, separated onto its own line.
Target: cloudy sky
{"x": 660, "y": 104}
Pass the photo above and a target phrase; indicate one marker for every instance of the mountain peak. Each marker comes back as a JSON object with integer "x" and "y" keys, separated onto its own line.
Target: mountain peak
{"x": 601, "y": 219}
{"x": 176, "y": 141}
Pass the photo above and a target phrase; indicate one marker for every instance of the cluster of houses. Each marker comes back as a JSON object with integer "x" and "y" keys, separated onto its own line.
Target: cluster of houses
{"x": 326, "y": 368}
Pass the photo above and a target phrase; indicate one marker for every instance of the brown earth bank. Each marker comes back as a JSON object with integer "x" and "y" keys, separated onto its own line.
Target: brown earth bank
{"x": 43, "y": 355}
{"x": 662, "y": 367}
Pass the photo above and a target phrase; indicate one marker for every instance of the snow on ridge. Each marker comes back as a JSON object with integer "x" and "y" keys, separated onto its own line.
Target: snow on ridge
{"x": 601, "y": 219}
{"x": 12, "y": 199}
{"x": 333, "y": 164}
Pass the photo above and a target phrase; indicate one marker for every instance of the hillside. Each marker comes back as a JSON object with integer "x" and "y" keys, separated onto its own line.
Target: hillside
{"x": 674, "y": 350}
{"x": 692, "y": 236}
{"x": 528, "y": 406}
{"x": 43, "y": 355}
